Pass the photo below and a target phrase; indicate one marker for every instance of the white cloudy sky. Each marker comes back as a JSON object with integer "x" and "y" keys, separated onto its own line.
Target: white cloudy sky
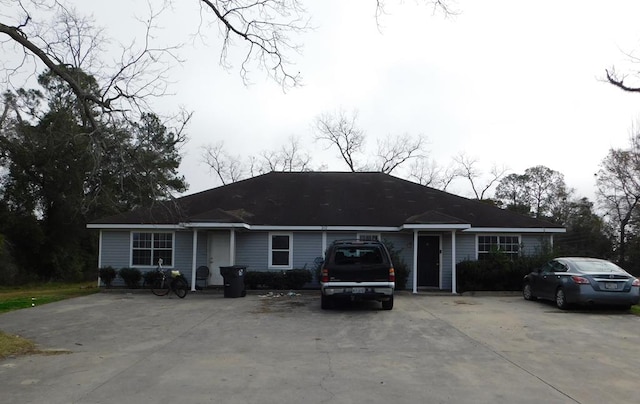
{"x": 515, "y": 83}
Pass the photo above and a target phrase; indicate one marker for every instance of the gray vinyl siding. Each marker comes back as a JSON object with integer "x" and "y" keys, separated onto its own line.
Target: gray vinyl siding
{"x": 202, "y": 252}
{"x": 115, "y": 250}
{"x": 331, "y": 237}
{"x": 466, "y": 247}
{"x": 534, "y": 244}
{"x": 182, "y": 254}
{"x": 306, "y": 248}
{"x": 403, "y": 244}
{"x": 252, "y": 250}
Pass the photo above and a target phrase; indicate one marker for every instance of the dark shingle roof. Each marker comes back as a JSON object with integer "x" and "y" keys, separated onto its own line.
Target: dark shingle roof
{"x": 326, "y": 199}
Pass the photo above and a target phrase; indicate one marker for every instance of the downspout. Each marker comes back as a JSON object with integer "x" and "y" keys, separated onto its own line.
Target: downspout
{"x": 193, "y": 260}
{"x": 454, "y": 276}
{"x": 415, "y": 261}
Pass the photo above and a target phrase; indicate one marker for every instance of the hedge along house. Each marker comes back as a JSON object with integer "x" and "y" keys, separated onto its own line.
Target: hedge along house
{"x": 280, "y": 221}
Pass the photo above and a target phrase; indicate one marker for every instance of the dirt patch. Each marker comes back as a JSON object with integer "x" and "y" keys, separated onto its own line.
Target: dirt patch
{"x": 281, "y": 302}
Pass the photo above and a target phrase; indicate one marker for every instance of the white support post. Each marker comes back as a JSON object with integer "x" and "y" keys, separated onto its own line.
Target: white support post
{"x": 99, "y": 256}
{"x": 454, "y": 276}
{"x": 415, "y": 261}
{"x": 232, "y": 247}
{"x": 194, "y": 252}
{"x": 324, "y": 244}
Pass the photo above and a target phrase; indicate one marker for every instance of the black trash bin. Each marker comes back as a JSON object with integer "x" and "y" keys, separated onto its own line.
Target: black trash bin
{"x": 234, "y": 280}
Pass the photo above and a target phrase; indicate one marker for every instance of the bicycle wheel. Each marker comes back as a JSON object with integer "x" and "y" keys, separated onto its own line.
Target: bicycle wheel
{"x": 181, "y": 287}
{"x": 160, "y": 286}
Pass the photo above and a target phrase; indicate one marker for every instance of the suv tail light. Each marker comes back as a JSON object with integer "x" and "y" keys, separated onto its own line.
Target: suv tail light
{"x": 392, "y": 275}
{"x": 325, "y": 275}
{"x": 636, "y": 282}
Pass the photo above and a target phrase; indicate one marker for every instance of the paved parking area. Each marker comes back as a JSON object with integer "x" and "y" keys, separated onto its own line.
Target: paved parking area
{"x": 139, "y": 348}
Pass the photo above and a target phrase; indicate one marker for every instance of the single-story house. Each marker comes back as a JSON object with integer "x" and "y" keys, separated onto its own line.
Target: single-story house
{"x": 286, "y": 220}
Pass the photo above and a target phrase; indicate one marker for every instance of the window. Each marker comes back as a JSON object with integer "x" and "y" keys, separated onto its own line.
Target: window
{"x": 369, "y": 236}
{"x": 280, "y": 250}
{"x": 509, "y": 245}
{"x": 147, "y": 248}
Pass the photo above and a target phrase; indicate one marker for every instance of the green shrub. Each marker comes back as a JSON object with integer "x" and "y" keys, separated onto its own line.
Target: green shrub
{"x": 148, "y": 278}
{"x": 497, "y": 273}
{"x": 296, "y": 278}
{"x": 131, "y": 277}
{"x": 107, "y": 275}
{"x": 278, "y": 280}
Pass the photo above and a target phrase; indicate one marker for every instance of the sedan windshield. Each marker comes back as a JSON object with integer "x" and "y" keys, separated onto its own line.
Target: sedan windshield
{"x": 597, "y": 266}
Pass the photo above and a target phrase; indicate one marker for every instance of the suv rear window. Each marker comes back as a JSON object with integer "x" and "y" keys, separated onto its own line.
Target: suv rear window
{"x": 358, "y": 255}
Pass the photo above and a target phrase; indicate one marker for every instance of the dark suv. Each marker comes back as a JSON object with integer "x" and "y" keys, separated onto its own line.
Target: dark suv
{"x": 357, "y": 270}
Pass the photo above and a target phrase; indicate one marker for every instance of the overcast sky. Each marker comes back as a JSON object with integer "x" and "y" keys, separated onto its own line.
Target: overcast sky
{"x": 515, "y": 83}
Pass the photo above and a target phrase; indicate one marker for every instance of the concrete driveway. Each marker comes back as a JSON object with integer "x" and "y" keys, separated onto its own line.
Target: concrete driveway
{"x": 139, "y": 348}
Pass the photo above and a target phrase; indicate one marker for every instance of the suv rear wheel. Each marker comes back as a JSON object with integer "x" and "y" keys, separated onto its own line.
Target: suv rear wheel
{"x": 387, "y": 304}
{"x": 325, "y": 302}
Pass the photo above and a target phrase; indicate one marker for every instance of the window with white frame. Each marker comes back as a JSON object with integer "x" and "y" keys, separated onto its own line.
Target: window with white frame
{"x": 369, "y": 236}
{"x": 509, "y": 245}
{"x": 280, "y": 250}
{"x": 148, "y": 247}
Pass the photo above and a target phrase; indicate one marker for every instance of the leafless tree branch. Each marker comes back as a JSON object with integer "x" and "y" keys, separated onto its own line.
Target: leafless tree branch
{"x": 265, "y": 26}
{"x": 339, "y": 130}
{"x": 394, "y": 151}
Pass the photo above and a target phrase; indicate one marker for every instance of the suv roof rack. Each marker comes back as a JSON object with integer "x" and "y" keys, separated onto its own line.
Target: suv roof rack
{"x": 356, "y": 241}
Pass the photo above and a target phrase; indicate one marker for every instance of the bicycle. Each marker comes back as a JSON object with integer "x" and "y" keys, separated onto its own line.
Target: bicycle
{"x": 162, "y": 283}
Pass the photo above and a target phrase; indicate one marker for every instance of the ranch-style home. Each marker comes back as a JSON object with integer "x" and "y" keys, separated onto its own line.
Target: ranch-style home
{"x": 286, "y": 220}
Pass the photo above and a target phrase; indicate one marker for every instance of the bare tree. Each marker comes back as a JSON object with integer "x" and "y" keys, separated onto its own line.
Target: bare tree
{"x": 467, "y": 168}
{"x": 291, "y": 157}
{"x": 265, "y": 30}
{"x": 228, "y": 168}
{"x": 618, "y": 79}
{"x": 394, "y": 151}
{"x": 428, "y": 173}
{"x": 265, "y": 27}
{"x": 339, "y": 130}
{"x": 70, "y": 46}
{"x": 443, "y": 6}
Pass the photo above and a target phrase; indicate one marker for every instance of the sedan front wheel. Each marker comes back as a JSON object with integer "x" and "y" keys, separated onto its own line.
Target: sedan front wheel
{"x": 527, "y": 292}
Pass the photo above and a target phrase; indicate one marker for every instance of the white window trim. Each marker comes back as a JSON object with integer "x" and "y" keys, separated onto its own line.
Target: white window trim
{"x": 270, "y": 252}
{"x": 377, "y": 235}
{"x": 173, "y": 248}
{"x": 496, "y": 235}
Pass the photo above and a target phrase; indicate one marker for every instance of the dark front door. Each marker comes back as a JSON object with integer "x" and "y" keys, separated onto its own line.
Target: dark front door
{"x": 429, "y": 261}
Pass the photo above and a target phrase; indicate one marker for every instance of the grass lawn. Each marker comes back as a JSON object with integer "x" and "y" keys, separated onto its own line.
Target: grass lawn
{"x": 23, "y": 297}
{"x": 34, "y": 295}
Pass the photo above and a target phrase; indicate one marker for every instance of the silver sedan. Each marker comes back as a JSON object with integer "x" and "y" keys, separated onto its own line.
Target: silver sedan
{"x": 584, "y": 281}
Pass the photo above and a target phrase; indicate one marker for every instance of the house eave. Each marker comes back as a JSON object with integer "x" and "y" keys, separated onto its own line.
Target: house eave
{"x": 121, "y": 226}
{"x": 515, "y": 230}
{"x": 436, "y": 226}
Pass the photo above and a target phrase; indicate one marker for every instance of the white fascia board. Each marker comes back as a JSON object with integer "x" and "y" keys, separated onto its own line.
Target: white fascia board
{"x": 515, "y": 230}
{"x": 440, "y": 226}
{"x": 133, "y": 226}
{"x": 209, "y": 225}
{"x": 323, "y": 228}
